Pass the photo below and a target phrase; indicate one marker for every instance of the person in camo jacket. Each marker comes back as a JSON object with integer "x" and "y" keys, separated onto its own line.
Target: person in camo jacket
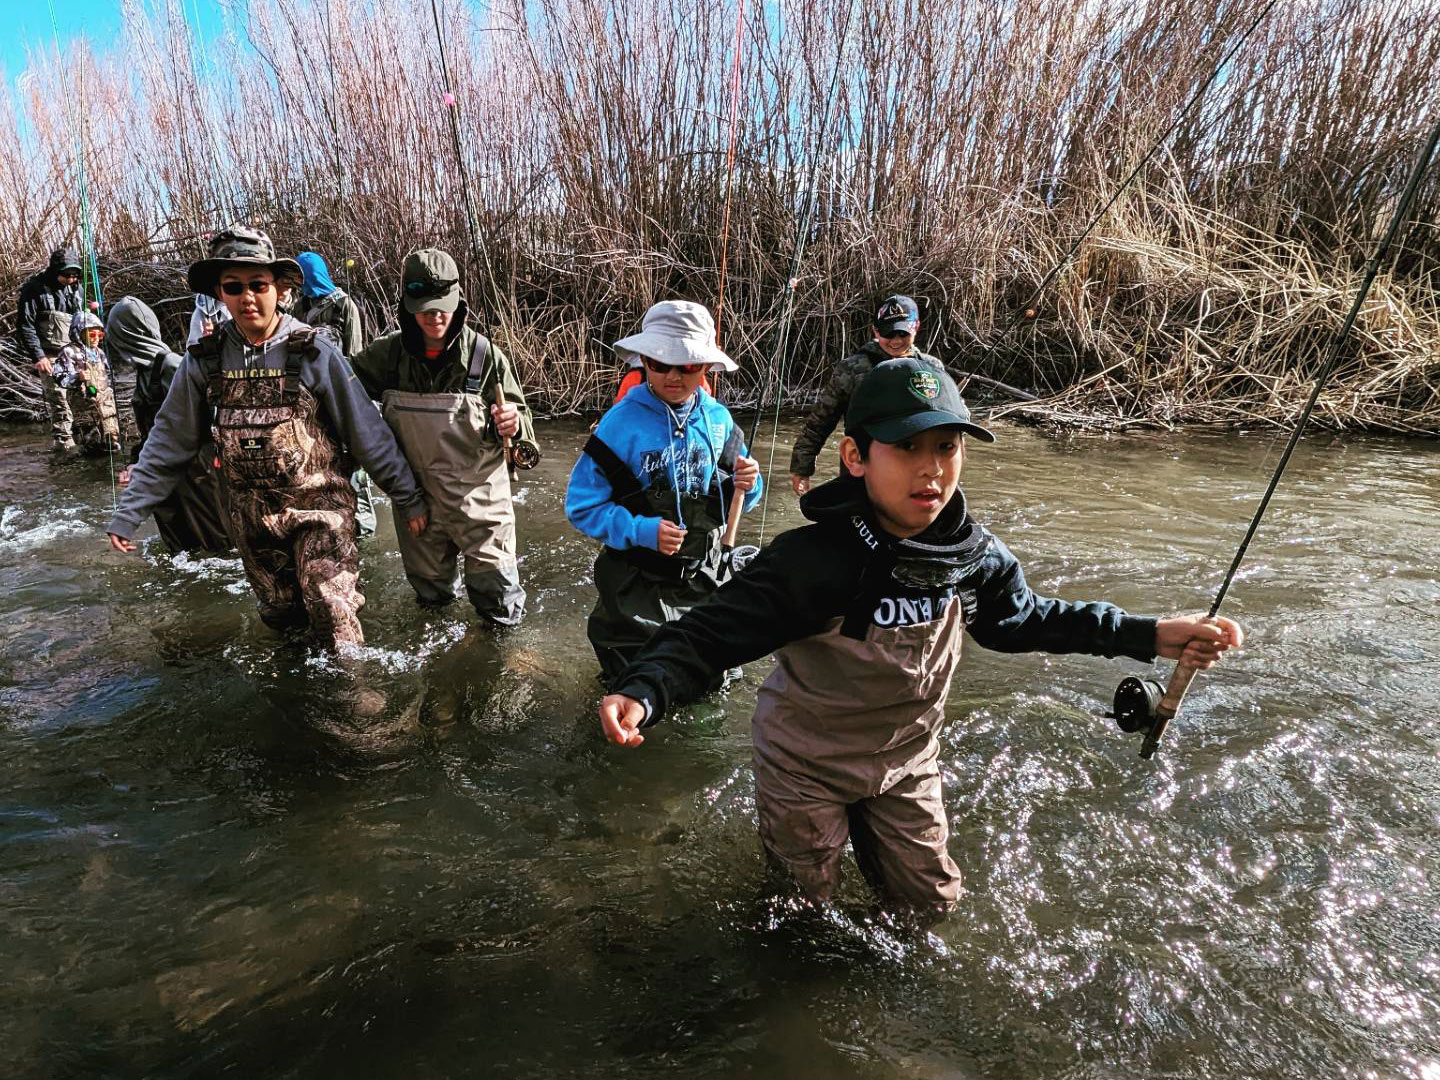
{"x": 893, "y": 331}
{"x": 288, "y": 411}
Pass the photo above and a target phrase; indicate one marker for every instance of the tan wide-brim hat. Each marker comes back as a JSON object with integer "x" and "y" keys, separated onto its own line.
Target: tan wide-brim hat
{"x": 675, "y": 332}
{"x": 238, "y": 245}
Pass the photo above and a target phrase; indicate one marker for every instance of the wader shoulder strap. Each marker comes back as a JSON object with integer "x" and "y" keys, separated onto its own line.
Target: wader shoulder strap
{"x": 623, "y": 481}
{"x": 299, "y": 346}
{"x": 730, "y": 452}
{"x": 478, "y": 356}
{"x": 206, "y": 353}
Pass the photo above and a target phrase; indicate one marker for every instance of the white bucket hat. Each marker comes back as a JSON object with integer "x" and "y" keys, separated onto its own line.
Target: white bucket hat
{"x": 675, "y": 332}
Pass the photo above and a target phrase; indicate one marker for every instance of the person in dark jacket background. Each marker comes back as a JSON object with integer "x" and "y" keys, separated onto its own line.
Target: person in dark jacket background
{"x": 55, "y": 290}
{"x": 866, "y": 610}
{"x": 897, "y": 321}
{"x": 193, "y": 517}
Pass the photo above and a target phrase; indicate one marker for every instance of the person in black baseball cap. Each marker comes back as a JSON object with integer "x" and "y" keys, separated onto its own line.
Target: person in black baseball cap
{"x": 893, "y": 330}
{"x": 867, "y": 609}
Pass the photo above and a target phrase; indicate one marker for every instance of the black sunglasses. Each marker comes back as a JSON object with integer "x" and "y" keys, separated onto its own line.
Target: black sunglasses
{"x": 235, "y": 288}
{"x": 426, "y": 289}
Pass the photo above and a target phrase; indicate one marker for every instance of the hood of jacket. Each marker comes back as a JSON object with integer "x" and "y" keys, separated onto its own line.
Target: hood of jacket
{"x": 80, "y": 322}
{"x": 132, "y": 334}
{"x": 954, "y": 539}
{"x": 65, "y": 258}
{"x": 316, "y": 274}
{"x": 414, "y": 340}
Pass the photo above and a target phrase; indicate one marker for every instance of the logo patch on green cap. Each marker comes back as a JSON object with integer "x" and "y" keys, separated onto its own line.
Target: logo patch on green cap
{"x": 925, "y": 385}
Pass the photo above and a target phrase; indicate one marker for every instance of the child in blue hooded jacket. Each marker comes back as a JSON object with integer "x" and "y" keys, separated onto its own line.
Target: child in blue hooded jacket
{"x": 654, "y": 485}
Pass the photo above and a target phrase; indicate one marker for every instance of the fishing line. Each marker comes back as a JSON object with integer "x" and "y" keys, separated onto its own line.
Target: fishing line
{"x": 518, "y": 455}
{"x": 1144, "y": 705}
{"x": 780, "y": 359}
{"x": 1030, "y": 306}
{"x": 729, "y": 171}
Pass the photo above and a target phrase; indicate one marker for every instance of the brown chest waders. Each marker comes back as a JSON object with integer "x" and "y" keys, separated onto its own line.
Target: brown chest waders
{"x": 845, "y": 750}
{"x": 460, "y": 462}
{"x": 93, "y": 421}
{"x": 291, "y": 507}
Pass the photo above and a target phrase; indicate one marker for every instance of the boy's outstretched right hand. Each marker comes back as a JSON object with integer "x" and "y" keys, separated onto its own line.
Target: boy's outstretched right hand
{"x": 620, "y": 719}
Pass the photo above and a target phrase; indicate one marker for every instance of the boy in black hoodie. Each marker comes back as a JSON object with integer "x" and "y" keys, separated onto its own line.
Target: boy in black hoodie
{"x": 866, "y": 610}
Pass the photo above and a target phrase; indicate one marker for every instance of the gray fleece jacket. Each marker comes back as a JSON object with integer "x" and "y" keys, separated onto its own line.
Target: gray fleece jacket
{"x": 183, "y": 424}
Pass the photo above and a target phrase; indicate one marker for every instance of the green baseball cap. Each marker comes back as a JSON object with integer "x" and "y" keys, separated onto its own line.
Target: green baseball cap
{"x": 429, "y": 281}
{"x": 901, "y": 398}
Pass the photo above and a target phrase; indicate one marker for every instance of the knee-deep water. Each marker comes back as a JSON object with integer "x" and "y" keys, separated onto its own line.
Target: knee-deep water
{"x": 222, "y": 852}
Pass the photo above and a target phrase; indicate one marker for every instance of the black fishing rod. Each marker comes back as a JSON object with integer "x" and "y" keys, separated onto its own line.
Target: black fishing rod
{"x": 1143, "y": 704}
{"x": 518, "y": 455}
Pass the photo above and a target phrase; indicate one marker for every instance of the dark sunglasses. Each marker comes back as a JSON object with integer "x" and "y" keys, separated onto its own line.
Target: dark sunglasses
{"x": 235, "y": 288}
{"x": 664, "y": 369}
{"x": 429, "y": 289}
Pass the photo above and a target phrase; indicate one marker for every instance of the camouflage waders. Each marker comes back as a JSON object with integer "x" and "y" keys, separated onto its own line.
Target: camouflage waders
{"x": 94, "y": 423}
{"x": 461, "y": 464}
{"x": 291, "y": 507}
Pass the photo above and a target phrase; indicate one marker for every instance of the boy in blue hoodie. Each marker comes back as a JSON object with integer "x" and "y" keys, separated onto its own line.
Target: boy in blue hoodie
{"x": 654, "y": 485}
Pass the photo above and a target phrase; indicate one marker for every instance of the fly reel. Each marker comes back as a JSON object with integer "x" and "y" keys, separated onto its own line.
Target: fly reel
{"x": 523, "y": 455}
{"x": 1136, "y": 702}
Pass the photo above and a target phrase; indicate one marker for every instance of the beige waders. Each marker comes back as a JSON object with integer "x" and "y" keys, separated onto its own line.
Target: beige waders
{"x": 461, "y": 465}
{"x": 828, "y": 772}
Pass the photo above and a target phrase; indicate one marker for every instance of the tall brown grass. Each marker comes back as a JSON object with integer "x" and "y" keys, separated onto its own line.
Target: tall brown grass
{"x": 966, "y": 146}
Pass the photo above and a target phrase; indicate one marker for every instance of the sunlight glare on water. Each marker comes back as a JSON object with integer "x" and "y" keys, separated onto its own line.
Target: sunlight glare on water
{"x": 227, "y": 851}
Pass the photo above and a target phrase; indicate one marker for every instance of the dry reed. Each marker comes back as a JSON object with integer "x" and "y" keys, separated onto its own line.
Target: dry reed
{"x": 966, "y": 147}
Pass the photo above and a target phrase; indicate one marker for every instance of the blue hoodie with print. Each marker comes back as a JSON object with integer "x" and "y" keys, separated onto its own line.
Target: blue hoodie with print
{"x": 673, "y": 454}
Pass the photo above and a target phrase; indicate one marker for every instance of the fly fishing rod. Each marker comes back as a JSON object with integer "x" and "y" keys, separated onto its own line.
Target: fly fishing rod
{"x": 518, "y": 455}
{"x": 1143, "y": 704}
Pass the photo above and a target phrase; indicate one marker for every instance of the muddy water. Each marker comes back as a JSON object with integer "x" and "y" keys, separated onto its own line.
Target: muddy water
{"x": 212, "y": 858}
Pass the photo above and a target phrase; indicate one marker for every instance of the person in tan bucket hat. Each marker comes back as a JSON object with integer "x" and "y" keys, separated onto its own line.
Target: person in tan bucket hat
{"x": 288, "y": 413}
{"x": 437, "y": 379}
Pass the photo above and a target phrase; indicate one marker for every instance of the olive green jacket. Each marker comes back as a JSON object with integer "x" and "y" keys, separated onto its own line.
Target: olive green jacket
{"x": 397, "y": 361}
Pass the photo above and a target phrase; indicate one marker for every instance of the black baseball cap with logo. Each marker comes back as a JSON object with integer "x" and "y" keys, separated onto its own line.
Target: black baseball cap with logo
{"x": 904, "y": 397}
{"x": 897, "y": 315}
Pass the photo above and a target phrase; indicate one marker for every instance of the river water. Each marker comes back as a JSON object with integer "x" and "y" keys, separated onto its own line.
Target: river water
{"x": 221, "y": 853}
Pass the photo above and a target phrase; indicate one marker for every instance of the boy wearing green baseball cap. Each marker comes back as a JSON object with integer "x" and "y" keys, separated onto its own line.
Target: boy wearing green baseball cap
{"x": 866, "y": 610}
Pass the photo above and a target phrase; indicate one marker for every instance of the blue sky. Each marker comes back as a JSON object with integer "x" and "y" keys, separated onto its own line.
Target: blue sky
{"x": 26, "y": 25}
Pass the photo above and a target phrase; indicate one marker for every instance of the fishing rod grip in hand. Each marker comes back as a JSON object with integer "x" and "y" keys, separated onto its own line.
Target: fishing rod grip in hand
{"x": 1168, "y": 708}
{"x": 505, "y": 439}
{"x": 732, "y": 519}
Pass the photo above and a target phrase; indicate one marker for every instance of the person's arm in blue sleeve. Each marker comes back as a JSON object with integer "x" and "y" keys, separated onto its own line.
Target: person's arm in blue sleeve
{"x": 590, "y": 506}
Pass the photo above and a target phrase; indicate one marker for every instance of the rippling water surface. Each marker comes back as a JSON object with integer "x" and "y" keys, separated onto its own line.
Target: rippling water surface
{"x": 220, "y": 851}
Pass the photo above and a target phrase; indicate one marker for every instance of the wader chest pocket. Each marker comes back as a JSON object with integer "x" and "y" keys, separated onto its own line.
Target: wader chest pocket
{"x": 272, "y": 457}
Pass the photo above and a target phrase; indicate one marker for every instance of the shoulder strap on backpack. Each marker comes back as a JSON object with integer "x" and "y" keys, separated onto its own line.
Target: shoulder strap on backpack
{"x": 478, "y": 355}
{"x": 623, "y": 481}
{"x": 206, "y": 352}
{"x": 300, "y": 346}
